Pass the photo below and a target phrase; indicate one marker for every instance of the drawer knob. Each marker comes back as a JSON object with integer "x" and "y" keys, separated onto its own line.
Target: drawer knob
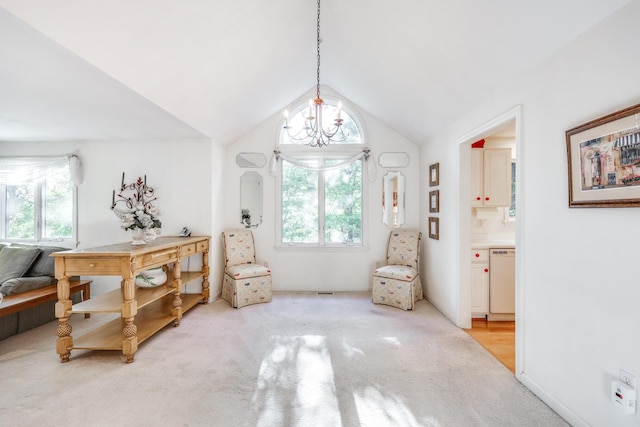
{"x": 486, "y": 270}
{"x": 486, "y": 198}
{"x": 92, "y": 265}
{"x": 477, "y": 198}
{"x": 477, "y": 255}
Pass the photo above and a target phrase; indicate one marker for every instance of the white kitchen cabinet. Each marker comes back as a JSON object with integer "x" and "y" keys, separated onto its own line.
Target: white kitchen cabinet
{"x": 479, "y": 282}
{"x": 490, "y": 177}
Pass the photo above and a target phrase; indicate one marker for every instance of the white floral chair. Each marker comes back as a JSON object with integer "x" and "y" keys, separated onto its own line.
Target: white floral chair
{"x": 245, "y": 282}
{"x": 398, "y": 283}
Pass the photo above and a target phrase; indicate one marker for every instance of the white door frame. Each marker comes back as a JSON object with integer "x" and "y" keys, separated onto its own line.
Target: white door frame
{"x": 464, "y": 222}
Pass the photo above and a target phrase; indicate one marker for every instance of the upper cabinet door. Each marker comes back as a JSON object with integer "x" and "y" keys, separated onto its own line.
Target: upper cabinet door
{"x": 497, "y": 177}
{"x": 477, "y": 180}
{"x": 491, "y": 177}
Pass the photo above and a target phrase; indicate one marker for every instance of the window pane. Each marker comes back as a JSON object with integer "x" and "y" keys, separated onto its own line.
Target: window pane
{"x": 58, "y": 205}
{"x": 343, "y": 204}
{"x": 20, "y": 222}
{"x": 299, "y": 204}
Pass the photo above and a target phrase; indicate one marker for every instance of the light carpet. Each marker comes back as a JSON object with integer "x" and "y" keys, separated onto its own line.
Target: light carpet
{"x": 301, "y": 360}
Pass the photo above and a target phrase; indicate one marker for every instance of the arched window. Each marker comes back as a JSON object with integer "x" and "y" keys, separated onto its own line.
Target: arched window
{"x": 320, "y": 191}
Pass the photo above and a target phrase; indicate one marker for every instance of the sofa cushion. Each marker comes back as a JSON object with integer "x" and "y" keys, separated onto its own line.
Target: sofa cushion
{"x": 44, "y": 265}
{"x": 24, "y": 284}
{"x": 14, "y": 262}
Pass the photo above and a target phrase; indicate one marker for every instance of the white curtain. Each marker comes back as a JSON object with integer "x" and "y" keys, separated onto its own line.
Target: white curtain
{"x": 301, "y": 163}
{"x": 16, "y": 170}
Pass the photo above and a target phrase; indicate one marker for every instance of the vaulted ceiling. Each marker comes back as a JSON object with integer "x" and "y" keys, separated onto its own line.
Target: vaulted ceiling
{"x": 122, "y": 69}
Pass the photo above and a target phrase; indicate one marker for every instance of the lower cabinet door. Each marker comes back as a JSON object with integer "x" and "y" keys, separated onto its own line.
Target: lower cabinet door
{"x": 479, "y": 289}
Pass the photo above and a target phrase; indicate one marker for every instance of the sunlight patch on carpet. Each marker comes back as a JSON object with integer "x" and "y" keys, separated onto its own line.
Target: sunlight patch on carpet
{"x": 376, "y": 409}
{"x": 295, "y": 385}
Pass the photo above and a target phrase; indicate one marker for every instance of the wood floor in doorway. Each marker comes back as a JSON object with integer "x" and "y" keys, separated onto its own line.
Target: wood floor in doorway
{"x": 499, "y": 338}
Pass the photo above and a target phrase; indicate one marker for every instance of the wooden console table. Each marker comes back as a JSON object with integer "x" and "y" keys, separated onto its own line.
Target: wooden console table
{"x": 143, "y": 311}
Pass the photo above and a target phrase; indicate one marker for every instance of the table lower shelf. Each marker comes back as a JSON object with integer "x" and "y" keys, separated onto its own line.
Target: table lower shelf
{"x": 148, "y": 321}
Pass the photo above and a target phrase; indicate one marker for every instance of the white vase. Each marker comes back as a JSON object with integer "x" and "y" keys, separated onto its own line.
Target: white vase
{"x": 137, "y": 235}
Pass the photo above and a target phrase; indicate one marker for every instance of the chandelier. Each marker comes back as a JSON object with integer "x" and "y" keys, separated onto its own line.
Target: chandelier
{"x": 314, "y": 132}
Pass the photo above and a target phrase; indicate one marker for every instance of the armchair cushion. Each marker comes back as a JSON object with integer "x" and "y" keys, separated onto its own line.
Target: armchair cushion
{"x": 398, "y": 272}
{"x": 239, "y": 247}
{"x": 243, "y": 271}
{"x": 14, "y": 262}
{"x": 403, "y": 248}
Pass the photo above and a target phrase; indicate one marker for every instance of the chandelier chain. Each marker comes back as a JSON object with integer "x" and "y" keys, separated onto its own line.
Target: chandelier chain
{"x": 313, "y": 131}
{"x": 318, "y": 52}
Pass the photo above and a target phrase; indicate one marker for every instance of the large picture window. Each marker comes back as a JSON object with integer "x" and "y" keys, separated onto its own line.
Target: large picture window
{"x": 37, "y": 199}
{"x": 320, "y": 198}
{"x": 321, "y": 202}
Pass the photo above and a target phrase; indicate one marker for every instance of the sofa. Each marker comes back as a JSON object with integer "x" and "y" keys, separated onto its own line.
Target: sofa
{"x": 24, "y": 267}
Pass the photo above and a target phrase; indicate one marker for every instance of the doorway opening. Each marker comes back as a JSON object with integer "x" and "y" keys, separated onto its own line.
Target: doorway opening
{"x": 489, "y": 223}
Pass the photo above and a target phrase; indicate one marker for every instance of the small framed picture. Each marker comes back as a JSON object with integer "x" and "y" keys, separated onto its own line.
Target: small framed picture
{"x": 434, "y": 174}
{"x": 434, "y": 201}
{"x": 434, "y": 228}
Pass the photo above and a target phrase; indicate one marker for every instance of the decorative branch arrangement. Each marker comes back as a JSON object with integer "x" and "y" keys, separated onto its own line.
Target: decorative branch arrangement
{"x": 134, "y": 205}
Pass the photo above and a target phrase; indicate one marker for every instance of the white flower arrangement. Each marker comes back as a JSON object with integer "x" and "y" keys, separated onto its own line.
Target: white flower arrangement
{"x": 134, "y": 206}
{"x": 138, "y": 217}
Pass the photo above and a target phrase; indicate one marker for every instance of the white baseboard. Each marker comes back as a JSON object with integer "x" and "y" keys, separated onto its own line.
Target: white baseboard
{"x": 569, "y": 416}
{"x": 499, "y": 317}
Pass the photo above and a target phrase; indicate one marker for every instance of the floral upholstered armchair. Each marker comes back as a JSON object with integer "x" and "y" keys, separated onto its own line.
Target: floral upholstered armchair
{"x": 245, "y": 282}
{"x": 398, "y": 283}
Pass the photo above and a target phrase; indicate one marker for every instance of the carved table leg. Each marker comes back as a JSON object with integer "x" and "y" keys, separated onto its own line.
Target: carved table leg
{"x": 176, "y": 311}
{"x": 205, "y": 277}
{"x": 129, "y": 310}
{"x": 64, "y": 342}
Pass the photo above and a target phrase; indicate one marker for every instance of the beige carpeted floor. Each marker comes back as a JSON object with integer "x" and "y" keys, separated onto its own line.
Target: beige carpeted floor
{"x": 302, "y": 360}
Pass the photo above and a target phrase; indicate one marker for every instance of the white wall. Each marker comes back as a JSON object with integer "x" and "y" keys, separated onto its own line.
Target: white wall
{"x": 314, "y": 270}
{"x": 187, "y": 176}
{"x": 577, "y": 283}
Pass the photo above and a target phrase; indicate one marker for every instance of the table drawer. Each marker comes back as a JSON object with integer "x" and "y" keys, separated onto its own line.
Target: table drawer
{"x": 161, "y": 257}
{"x": 187, "y": 250}
{"x": 92, "y": 266}
{"x": 202, "y": 246}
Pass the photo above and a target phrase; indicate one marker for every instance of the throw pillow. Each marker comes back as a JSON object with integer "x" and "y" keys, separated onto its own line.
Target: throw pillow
{"x": 14, "y": 262}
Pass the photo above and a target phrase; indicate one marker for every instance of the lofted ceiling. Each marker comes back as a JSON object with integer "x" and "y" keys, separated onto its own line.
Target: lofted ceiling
{"x": 122, "y": 69}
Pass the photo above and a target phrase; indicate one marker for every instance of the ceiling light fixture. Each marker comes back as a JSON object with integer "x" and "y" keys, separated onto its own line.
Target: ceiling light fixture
{"x": 313, "y": 131}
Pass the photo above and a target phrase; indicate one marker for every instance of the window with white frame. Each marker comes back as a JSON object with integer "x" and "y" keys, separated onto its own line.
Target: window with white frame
{"x": 321, "y": 190}
{"x": 37, "y": 199}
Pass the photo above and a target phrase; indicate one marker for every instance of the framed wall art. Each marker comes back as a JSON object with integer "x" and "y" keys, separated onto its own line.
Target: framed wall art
{"x": 603, "y": 159}
{"x": 434, "y": 174}
{"x": 434, "y": 201}
{"x": 434, "y": 228}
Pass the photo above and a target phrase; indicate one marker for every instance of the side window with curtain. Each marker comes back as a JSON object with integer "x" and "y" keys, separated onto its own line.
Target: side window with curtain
{"x": 37, "y": 198}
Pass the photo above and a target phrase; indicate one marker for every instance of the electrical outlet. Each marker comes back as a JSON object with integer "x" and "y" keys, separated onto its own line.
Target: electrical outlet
{"x": 628, "y": 378}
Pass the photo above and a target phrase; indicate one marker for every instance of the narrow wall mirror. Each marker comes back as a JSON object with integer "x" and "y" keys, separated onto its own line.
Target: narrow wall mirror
{"x": 251, "y": 199}
{"x": 251, "y": 160}
{"x": 393, "y": 199}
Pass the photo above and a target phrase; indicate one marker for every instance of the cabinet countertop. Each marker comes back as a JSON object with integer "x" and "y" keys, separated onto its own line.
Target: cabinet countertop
{"x": 489, "y": 244}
